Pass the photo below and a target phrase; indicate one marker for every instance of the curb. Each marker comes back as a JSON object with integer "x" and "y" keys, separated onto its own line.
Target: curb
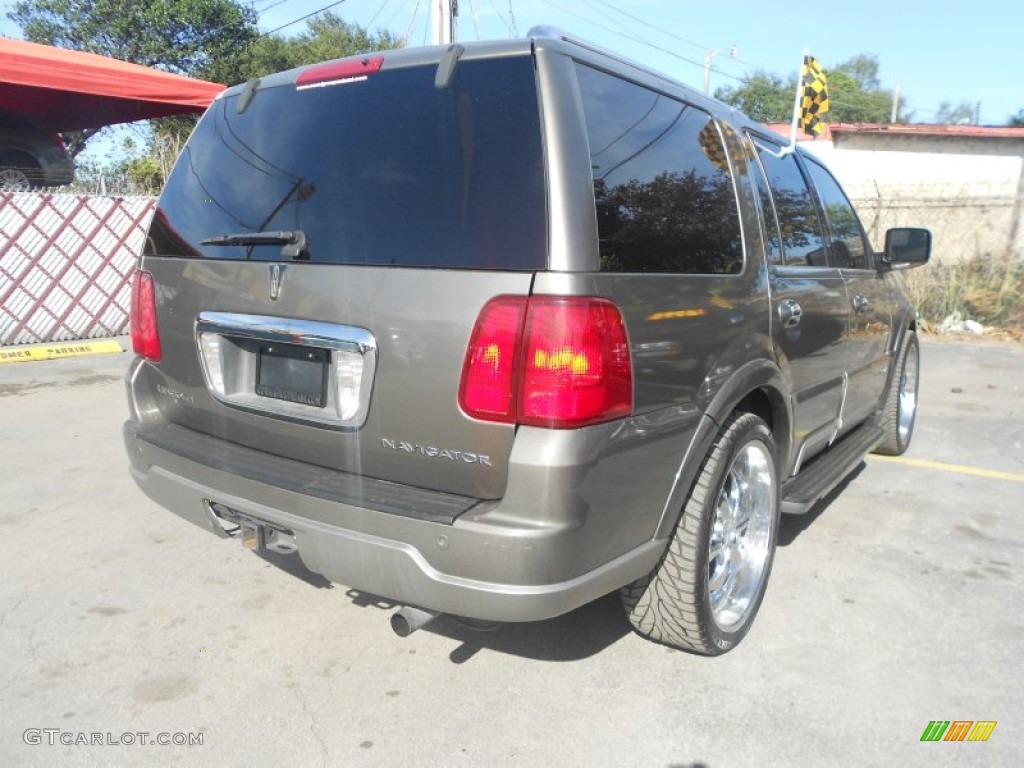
{"x": 58, "y": 351}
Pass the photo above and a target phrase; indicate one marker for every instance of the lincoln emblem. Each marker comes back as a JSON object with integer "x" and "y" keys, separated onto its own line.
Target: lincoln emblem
{"x": 276, "y": 275}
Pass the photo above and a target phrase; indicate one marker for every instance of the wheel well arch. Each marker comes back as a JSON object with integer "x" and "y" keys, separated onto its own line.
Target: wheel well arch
{"x": 769, "y": 404}
{"x": 761, "y": 393}
{"x": 757, "y": 402}
{"x": 15, "y": 157}
{"x": 901, "y": 328}
{"x": 758, "y": 387}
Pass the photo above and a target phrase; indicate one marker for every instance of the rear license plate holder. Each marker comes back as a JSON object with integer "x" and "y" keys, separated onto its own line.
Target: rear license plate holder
{"x": 293, "y": 373}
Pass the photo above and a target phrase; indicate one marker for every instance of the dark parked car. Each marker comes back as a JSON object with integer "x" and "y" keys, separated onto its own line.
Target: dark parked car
{"x": 31, "y": 157}
{"x": 493, "y": 330}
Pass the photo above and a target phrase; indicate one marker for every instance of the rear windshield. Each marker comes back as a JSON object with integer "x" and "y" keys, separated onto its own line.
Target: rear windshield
{"x": 388, "y": 170}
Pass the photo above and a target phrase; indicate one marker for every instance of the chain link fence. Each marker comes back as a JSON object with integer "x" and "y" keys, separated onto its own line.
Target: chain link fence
{"x": 964, "y": 227}
{"x": 977, "y": 267}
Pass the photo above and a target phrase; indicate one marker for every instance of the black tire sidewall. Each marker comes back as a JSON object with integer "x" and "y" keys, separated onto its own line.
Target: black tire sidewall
{"x": 891, "y": 443}
{"x": 751, "y": 428}
{"x": 911, "y": 342}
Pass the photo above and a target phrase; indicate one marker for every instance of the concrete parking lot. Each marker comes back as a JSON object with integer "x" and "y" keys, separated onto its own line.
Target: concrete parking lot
{"x": 896, "y": 602}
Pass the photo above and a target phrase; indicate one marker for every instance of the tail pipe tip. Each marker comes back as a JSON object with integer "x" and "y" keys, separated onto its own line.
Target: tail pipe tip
{"x": 407, "y": 620}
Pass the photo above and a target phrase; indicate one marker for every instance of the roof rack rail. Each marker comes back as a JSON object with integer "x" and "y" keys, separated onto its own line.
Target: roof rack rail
{"x": 546, "y": 31}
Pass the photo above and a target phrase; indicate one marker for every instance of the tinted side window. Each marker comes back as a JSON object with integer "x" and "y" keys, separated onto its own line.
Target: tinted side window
{"x": 849, "y": 247}
{"x": 664, "y": 193}
{"x": 799, "y": 229}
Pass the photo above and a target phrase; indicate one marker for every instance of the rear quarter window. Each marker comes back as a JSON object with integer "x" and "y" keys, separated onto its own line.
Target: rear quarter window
{"x": 662, "y": 184}
{"x": 388, "y": 170}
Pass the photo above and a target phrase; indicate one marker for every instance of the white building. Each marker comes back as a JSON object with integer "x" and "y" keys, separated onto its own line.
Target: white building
{"x": 964, "y": 182}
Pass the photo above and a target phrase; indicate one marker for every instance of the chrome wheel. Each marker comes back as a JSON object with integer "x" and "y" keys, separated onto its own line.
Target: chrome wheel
{"x": 740, "y": 544}
{"x": 900, "y": 406}
{"x": 706, "y": 590}
{"x": 14, "y": 180}
{"x": 908, "y": 395}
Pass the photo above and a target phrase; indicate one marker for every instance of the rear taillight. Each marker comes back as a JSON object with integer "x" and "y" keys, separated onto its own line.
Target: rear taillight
{"x": 488, "y": 387}
{"x": 145, "y": 333}
{"x": 548, "y": 361}
{"x": 576, "y": 367}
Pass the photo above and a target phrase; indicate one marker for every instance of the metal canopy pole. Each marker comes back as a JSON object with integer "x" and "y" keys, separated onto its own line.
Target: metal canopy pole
{"x": 442, "y": 21}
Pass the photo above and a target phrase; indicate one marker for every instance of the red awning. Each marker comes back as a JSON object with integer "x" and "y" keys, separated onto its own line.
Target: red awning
{"x": 65, "y": 90}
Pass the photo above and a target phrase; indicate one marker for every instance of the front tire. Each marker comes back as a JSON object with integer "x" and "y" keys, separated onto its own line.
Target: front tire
{"x": 901, "y": 400}
{"x": 704, "y": 594}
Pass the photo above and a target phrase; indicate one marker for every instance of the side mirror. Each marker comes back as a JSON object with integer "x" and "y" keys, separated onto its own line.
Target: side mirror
{"x": 906, "y": 247}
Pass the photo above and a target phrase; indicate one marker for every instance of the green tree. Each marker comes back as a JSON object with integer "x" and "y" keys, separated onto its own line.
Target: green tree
{"x": 1017, "y": 121}
{"x": 326, "y": 37}
{"x": 856, "y": 93}
{"x": 854, "y": 89}
{"x": 182, "y": 36}
{"x": 764, "y": 96}
{"x": 959, "y": 114}
{"x": 863, "y": 68}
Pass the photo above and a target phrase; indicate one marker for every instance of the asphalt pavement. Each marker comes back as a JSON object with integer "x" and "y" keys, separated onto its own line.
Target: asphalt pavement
{"x": 896, "y": 602}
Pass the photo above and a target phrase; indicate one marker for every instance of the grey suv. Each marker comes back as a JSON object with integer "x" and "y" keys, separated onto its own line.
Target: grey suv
{"x": 497, "y": 329}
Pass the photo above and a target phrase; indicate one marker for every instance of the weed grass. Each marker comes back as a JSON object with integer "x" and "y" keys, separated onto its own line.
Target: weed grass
{"x": 989, "y": 291}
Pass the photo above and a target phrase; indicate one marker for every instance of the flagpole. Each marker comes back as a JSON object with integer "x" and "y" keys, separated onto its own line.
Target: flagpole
{"x": 796, "y": 106}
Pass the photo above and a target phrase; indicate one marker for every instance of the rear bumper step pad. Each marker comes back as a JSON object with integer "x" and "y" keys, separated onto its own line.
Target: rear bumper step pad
{"x": 299, "y": 477}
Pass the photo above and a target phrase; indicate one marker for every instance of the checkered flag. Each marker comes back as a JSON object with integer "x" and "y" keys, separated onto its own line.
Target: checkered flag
{"x": 716, "y": 151}
{"x": 815, "y": 96}
{"x": 712, "y": 146}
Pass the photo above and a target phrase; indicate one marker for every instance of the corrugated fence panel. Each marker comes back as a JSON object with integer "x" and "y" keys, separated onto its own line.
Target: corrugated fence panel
{"x": 66, "y": 263}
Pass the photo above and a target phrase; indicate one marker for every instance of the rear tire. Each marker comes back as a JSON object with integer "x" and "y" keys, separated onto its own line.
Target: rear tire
{"x": 704, "y": 594}
{"x": 900, "y": 409}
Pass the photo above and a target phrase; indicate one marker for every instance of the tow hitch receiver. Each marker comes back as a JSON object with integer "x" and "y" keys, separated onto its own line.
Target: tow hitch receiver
{"x": 253, "y": 536}
{"x": 256, "y": 535}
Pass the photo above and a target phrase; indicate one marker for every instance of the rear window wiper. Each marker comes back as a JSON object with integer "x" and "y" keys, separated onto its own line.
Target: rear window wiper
{"x": 294, "y": 241}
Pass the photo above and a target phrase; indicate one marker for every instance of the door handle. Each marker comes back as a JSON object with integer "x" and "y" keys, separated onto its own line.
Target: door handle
{"x": 860, "y": 304}
{"x": 790, "y": 313}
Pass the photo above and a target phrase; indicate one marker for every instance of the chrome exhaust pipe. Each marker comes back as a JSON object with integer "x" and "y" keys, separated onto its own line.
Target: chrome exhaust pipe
{"x": 407, "y": 620}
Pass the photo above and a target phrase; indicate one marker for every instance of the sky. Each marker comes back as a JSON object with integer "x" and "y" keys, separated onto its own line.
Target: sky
{"x": 943, "y": 50}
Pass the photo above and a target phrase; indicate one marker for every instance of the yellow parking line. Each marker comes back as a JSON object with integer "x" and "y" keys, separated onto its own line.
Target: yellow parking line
{"x": 992, "y": 474}
{"x": 56, "y": 351}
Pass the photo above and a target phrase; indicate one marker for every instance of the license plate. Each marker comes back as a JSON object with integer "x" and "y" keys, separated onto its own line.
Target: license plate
{"x": 293, "y": 373}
